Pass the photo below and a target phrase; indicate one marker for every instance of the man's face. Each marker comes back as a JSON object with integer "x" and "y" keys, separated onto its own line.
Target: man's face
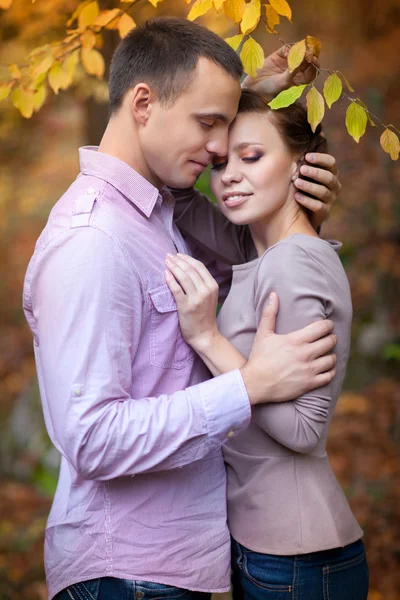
{"x": 179, "y": 141}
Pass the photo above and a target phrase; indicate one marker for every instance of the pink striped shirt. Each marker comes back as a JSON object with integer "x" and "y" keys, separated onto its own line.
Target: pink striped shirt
{"x": 142, "y": 488}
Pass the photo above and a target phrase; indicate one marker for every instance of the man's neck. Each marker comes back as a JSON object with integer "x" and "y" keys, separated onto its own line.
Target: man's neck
{"x": 122, "y": 143}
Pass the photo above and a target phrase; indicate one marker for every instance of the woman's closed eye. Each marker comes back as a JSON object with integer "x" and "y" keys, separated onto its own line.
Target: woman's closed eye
{"x": 216, "y": 166}
{"x": 251, "y": 159}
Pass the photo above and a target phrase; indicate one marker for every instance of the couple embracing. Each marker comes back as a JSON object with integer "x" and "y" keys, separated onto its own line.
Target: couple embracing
{"x": 193, "y": 447}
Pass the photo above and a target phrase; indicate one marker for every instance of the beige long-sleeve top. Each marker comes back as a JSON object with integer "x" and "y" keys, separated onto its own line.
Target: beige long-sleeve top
{"x": 283, "y": 497}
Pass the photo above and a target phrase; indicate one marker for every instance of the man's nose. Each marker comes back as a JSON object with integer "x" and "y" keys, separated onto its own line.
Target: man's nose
{"x": 218, "y": 146}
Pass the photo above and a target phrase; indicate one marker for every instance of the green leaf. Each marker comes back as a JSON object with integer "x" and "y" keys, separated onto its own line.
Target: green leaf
{"x": 356, "y": 121}
{"x": 332, "y": 89}
{"x": 287, "y": 97}
{"x": 346, "y": 82}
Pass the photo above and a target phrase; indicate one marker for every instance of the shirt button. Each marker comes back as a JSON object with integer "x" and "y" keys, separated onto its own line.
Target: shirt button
{"x": 78, "y": 392}
{"x": 231, "y": 433}
{"x": 90, "y": 191}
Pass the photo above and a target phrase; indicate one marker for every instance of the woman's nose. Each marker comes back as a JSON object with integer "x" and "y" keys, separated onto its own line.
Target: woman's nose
{"x": 231, "y": 175}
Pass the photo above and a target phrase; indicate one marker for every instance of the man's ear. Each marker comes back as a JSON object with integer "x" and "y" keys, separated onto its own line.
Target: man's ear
{"x": 141, "y": 99}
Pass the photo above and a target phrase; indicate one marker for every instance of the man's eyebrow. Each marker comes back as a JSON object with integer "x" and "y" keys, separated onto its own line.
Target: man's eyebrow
{"x": 215, "y": 116}
{"x": 244, "y": 145}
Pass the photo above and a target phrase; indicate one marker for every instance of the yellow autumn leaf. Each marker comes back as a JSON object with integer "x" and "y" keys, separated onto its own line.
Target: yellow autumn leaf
{"x": 390, "y": 143}
{"x": 252, "y": 56}
{"x": 88, "y": 15}
{"x": 251, "y": 16}
{"x": 88, "y": 39}
{"x": 5, "y": 4}
{"x": 235, "y": 41}
{"x": 356, "y": 121}
{"x": 108, "y": 19}
{"x": 39, "y": 97}
{"x": 332, "y": 89}
{"x": 14, "y": 71}
{"x": 77, "y": 12}
{"x": 313, "y": 48}
{"x": 199, "y": 8}
{"x": 153, "y": 2}
{"x": 296, "y": 55}
{"x": 347, "y": 84}
{"x": 218, "y": 5}
{"x": 23, "y": 100}
{"x": 57, "y": 77}
{"x": 93, "y": 62}
{"x": 273, "y": 18}
{"x": 234, "y": 9}
{"x": 69, "y": 68}
{"x": 125, "y": 24}
{"x": 41, "y": 62}
{"x": 5, "y": 89}
{"x": 282, "y": 8}
{"x": 315, "y": 108}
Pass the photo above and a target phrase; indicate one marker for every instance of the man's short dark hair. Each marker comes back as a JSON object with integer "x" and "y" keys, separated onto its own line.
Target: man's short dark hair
{"x": 164, "y": 52}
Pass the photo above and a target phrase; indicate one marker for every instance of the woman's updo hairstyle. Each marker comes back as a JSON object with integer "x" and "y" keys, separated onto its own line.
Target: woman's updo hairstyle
{"x": 291, "y": 122}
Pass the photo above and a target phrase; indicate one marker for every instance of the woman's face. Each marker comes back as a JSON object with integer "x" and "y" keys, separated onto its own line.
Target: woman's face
{"x": 253, "y": 181}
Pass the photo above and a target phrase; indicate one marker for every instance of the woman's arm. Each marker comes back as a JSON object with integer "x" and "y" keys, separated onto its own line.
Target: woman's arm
{"x": 304, "y": 297}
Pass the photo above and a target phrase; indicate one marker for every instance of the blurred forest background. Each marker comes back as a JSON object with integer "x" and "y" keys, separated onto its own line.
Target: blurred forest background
{"x": 38, "y": 161}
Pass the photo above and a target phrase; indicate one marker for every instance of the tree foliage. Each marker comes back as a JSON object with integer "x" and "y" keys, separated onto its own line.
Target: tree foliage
{"x": 52, "y": 66}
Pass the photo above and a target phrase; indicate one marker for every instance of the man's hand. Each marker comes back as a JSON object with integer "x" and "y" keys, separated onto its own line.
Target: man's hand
{"x": 327, "y": 186}
{"x": 284, "y": 367}
{"x": 274, "y": 76}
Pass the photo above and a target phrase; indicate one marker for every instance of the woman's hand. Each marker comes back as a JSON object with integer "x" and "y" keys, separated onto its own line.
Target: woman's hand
{"x": 196, "y": 295}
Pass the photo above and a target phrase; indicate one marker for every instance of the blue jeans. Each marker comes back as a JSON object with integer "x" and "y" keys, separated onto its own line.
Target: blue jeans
{"x": 338, "y": 574}
{"x": 109, "y": 588}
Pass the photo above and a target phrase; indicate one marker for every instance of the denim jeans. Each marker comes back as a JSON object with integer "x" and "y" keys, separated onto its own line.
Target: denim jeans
{"x": 109, "y": 588}
{"x": 338, "y": 574}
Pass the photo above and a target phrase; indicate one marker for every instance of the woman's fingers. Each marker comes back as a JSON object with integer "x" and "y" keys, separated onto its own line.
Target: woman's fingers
{"x": 175, "y": 288}
{"x": 201, "y": 269}
{"x": 181, "y": 276}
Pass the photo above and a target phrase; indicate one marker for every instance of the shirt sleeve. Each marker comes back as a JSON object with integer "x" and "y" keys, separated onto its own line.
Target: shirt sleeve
{"x": 304, "y": 298}
{"x": 86, "y": 314}
{"x": 213, "y": 239}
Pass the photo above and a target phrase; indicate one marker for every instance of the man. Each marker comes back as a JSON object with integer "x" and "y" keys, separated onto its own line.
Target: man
{"x": 140, "y": 504}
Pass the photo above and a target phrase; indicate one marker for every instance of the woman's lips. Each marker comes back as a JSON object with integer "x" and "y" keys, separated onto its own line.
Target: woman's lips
{"x": 236, "y": 200}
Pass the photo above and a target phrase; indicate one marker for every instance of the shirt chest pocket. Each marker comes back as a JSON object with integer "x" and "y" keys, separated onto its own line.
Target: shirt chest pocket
{"x": 168, "y": 349}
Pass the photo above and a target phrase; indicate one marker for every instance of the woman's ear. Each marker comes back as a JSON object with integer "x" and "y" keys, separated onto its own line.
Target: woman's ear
{"x": 141, "y": 103}
{"x": 295, "y": 170}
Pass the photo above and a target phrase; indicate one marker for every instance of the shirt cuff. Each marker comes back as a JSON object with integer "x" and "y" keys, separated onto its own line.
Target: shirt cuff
{"x": 226, "y": 405}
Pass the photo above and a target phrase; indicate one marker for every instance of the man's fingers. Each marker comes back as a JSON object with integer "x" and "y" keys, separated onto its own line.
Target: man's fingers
{"x": 324, "y": 378}
{"x": 268, "y": 319}
{"x": 327, "y": 178}
{"x": 325, "y": 363}
{"x": 314, "y": 331}
{"x": 323, "y": 346}
{"x": 315, "y": 206}
{"x": 327, "y": 161}
{"x": 319, "y": 191}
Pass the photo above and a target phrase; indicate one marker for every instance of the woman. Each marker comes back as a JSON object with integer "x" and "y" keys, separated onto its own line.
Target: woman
{"x": 294, "y": 535}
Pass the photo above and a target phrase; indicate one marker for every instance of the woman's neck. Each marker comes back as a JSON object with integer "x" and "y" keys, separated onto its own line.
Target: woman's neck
{"x": 289, "y": 219}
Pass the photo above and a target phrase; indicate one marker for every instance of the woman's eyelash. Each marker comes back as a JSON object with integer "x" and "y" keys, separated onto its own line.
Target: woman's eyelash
{"x": 218, "y": 166}
{"x": 251, "y": 158}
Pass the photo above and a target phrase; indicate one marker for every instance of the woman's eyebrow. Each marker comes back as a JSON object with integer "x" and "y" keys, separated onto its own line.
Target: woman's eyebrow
{"x": 244, "y": 145}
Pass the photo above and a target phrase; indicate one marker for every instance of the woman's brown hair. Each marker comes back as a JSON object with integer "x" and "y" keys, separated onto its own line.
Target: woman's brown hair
{"x": 291, "y": 122}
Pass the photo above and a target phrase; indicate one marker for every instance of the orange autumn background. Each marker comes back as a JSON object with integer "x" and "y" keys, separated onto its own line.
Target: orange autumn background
{"x": 38, "y": 161}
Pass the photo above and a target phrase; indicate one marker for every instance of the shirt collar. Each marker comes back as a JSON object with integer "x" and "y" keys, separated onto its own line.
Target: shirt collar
{"x": 120, "y": 175}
